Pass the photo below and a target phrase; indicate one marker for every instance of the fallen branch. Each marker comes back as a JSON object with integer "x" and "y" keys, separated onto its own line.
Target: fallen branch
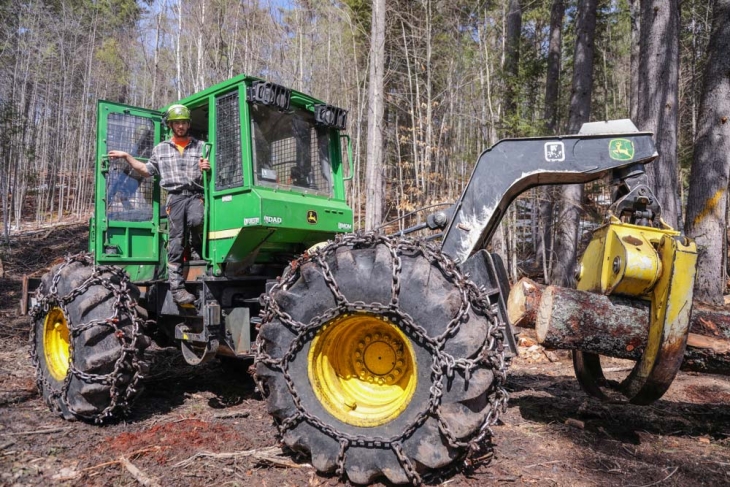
{"x": 575, "y": 423}
{"x": 232, "y": 414}
{"x": 658, "y": 481}
{"x": 17, "y": 396}
{"x": 6, "y": 445}
{"x": 542, "y": 464}
{"x": 134, "y": 454}
{"x": 140, "y": 476}
{"x": 39, "y": 432}
{"x": 271, "y": 454}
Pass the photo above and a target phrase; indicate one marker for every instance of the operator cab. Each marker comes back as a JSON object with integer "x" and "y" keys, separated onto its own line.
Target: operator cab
{"x": 276, "y": 186}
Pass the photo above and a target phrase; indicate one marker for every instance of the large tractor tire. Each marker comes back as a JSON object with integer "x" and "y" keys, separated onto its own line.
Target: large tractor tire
{"x": 378, "y": 358}
{"x": 87, "y": 340}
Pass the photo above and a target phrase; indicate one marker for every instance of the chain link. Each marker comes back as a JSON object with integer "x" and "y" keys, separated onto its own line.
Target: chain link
{"x": 490, "y": 354}
{"x": 131, "y": 340}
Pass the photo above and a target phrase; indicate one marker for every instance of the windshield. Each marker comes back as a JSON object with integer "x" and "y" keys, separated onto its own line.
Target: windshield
{"x": 290, "y": 151}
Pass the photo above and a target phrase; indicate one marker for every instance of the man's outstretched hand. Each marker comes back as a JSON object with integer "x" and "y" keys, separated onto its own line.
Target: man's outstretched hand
{"x": 117, "y": 153}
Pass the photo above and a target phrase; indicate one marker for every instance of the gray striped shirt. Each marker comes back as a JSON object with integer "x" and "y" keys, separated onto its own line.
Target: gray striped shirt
{"x": 177, "y": 171}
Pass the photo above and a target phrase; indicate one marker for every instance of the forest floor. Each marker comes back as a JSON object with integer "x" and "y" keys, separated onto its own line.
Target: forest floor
{"x": 207, "y": 425}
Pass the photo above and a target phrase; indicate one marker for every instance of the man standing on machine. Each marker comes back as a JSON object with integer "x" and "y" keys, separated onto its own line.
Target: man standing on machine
{"x": 180, "y": 164}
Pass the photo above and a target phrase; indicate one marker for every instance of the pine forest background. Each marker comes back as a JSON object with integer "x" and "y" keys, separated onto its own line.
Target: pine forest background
{"x": 453, "y": 86}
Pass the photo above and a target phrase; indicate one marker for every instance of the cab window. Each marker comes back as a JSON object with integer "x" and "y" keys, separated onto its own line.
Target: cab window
{"x": 129, "y": 195}
{"x": 290, "y": 151}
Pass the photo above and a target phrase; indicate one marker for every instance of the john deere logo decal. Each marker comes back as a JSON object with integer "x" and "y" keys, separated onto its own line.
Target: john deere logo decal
{"x": 312, "y": 217}
{"x": 554, "y": 151}
{"x": 621, "y": 149}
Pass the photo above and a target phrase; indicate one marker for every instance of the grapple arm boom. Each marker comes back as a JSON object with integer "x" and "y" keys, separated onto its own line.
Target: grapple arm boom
{"x": 512, "y": 166}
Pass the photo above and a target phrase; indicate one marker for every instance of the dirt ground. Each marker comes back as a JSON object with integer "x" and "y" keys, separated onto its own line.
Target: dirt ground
{"x": 207, "y": 425}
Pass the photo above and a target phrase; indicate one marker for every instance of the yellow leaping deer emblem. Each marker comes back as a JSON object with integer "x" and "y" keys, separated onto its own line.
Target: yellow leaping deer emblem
{"x": 621, "y": 149}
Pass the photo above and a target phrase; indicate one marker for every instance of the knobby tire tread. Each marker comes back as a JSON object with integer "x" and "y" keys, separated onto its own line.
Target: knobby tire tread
{"x": 364, "y": 273}
{"x": 97, "y": 351}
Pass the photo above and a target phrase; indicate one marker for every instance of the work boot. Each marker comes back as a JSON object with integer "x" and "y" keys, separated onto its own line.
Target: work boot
{"x": 182, "y": 296}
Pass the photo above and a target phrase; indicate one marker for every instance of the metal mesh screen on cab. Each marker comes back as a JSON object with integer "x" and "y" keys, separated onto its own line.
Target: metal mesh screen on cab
{"x": 305, "y": 172}
{"x": 128, "y": 194}
{"x": 320, "y": 157}
{"x": 129, "y": 133}
{"x": 228, "y": 142}
{"x": 284, "y": 158}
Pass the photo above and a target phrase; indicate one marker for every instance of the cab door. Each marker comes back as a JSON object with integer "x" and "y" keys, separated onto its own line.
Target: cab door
{"x": 127, "y": 206}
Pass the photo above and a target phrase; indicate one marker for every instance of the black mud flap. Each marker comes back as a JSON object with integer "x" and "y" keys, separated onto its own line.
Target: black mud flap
{"x": 27, "y": 299}
{"x": 488, "y": 270}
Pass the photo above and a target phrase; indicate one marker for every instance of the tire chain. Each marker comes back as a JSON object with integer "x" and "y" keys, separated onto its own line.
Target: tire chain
{"x": 131, "y": 343}
{"x": 490, "y": 354}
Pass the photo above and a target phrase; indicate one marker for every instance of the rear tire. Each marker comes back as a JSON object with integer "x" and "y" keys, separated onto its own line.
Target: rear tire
{"x": 87, "y": 340}
{"x": 379, "y": 359}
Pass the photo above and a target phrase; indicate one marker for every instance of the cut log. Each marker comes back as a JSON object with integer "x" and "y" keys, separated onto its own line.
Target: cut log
{"x": 707, "y": 354}
{"x": 568, "y": 319}
{"x": 614, "y": 326}
{"x": 522, "y": 303}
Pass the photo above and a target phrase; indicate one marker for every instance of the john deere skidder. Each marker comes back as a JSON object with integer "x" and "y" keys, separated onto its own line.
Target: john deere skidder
{"x": 378, "y": 355}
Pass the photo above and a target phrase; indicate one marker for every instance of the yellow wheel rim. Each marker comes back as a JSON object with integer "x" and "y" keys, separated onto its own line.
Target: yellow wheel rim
{"x": 56, "y": 343}
{"x": 362, "y": 369}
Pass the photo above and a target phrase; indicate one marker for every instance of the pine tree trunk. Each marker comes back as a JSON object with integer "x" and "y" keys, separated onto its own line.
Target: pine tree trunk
{"x": 566, "y": 238}
{"x": 635, "y": 15}
{"x": 658, "y": 98}
{"x": 707, "y": 201}
{"x": 513, "y": 29}
{"x": 552, "y": 84}
{"x": 552, "y": 79}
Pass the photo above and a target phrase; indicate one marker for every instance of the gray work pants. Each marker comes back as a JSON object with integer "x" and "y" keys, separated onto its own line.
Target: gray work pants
{"x": 184, "y": 219}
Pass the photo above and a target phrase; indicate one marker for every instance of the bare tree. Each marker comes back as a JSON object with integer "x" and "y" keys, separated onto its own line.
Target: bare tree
{"x": 707, "y": 201}
{"x": 566, "y": 238}
{"x": 374, "y": 181}
{"x": 513, "y": 29}
{"x": 635, "y": 16}
{"x": 552, "y": 85}
{"x": 658, "y": 98}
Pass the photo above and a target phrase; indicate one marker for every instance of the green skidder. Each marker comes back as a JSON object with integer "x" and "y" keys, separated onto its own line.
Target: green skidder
{"x": 377, "y": 356}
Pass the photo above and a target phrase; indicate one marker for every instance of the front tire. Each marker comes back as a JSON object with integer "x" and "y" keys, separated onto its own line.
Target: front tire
{"x": 379, "y": 358}
{"x": 87, "y": 340}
